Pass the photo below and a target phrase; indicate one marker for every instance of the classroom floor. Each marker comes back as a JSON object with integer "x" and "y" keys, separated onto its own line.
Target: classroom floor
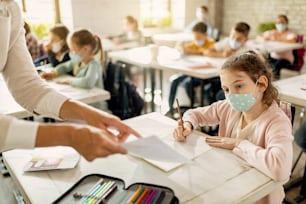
{"x": 7, "y": 186}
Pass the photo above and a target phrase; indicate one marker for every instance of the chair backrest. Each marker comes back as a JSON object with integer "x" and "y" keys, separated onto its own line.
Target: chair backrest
{"x": 299, "y": 55}
{"x": 288, "y": 109}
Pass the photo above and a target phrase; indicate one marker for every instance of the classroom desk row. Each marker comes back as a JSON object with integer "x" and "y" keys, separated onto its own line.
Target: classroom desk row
{"x": 9, "y": 106}
{"x": 216, "y": 176}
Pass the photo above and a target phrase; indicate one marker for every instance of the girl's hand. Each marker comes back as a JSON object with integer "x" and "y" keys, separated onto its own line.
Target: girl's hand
{"x": 47, "y": 75}
{"x": 63, "y": 81}
{"x": 182, "y": 131}
{"x": 222, "y": 142}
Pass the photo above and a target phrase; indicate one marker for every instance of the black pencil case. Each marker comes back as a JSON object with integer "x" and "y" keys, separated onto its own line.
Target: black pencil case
{"x": 121, "y": 195}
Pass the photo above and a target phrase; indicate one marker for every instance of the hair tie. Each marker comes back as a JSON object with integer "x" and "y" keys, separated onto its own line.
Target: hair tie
{"x": 96, "y": 36}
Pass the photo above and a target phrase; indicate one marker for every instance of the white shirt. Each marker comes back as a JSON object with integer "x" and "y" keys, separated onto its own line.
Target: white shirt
{"x": 22, "y": 80}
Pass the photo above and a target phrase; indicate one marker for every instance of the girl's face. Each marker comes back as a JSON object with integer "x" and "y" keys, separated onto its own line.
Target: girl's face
{"x": 83, "y": 51}
{"x": 238, "y": 82}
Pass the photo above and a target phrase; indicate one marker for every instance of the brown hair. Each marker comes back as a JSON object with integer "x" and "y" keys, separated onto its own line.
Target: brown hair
{"x": 200, "y": 27}
{"x": 62, "y": 32}
{"x": 204, "y": 8}
{"x": 132, "y": 20}
{"x": 283, "y": 17}
{"x": 27, "y": 28}
{"x": 254, "y": 65}
{"x": 84, "y": 37}
{"x": 243, "y": 28}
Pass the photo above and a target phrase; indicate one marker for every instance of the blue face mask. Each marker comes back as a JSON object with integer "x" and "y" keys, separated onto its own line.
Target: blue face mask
{"x": 75, "y": 58}
{"x": 241, "y": 102}
{"x": 199, "y": 43}
{"x": 281, "y": 27}
{"x": 234, "y": 44}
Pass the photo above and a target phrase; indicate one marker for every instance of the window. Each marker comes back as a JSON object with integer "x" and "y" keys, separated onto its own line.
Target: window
{"x": 156, "y": 13}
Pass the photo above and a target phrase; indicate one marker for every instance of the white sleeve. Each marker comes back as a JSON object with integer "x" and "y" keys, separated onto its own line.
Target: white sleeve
{"x": 221, "y": 45}
{"x": 17, "y": 133}
{"x": 28, "y": 89}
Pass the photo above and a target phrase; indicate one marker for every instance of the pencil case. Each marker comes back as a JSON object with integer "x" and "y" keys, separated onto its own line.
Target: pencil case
{"x": 90, "y": 190}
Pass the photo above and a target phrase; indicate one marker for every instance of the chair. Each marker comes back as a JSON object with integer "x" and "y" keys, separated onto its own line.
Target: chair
{"x": 298, "y": 57}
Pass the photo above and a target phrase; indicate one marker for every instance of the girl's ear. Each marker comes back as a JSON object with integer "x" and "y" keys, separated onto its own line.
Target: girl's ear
{"x": 263, "y": 83}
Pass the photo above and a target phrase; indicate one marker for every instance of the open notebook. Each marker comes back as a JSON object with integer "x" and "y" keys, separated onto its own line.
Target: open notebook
{"x": 163, "y": 151}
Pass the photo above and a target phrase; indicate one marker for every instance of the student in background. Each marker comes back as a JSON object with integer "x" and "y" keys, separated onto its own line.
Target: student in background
{"x": 201, "y": 43}
{"x": 58, "y": 50}
{"x": 251, "y": 123}
{"x": 34, "y": 46}
{"x": 202, "y": 16}
{"x": 131, "y": 32}
{"x": 87, "y": 71}
{"x": 232, "y": 44}
{"x": 282, "y": 33}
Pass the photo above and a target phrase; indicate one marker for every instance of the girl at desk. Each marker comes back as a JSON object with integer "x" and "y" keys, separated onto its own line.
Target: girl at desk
{"x": 87, "y": 71}
{"x": 57, "y": 47}
{"x": 251, "y": 124}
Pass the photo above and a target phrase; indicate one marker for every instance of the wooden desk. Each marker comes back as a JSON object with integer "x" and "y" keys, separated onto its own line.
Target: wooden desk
{"x": 216, "y": 176}
{"x": 272, "y": 46}
{"x": 290, "y": 90}
{"x": 9, "y": 106}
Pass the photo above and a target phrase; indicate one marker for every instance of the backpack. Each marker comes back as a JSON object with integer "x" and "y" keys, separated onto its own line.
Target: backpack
{"x": 125, "y": 102}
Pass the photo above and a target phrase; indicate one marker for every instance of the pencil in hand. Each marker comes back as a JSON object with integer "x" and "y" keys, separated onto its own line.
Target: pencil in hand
{"x": 179, "y": 112}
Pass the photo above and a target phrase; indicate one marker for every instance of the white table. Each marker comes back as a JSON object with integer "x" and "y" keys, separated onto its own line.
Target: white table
{"x": 272, "y": 46}
{"x": 293, "y": 90}
{"x": 169, "y": 59}
{"x": 216, "y": 176}
{"x": 170, "y": 39}
{"x": 8, "y": 105}
{"x": 108, "y": 45}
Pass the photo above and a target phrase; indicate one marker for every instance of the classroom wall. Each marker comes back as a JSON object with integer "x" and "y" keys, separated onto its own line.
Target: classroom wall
{"x": 255, "y": 11}
{"x": 103, "y": 16}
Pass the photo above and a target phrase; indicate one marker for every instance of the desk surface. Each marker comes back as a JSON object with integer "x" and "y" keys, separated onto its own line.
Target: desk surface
{"x": 273, "y": 46}
{"x": 108, "y": 45}
{"x": 216, "y": 176}
{"x": 170, "y": 59}
{"x": 293, "y": 90}
{"x": 9, "y": 106}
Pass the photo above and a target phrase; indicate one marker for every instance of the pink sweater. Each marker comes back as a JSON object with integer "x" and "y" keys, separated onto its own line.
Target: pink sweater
{"x": 271, "y": 148}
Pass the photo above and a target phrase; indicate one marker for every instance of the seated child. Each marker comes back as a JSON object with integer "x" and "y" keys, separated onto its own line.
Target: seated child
{"x": 34, "y": 46}
{"x": 282, "y": 33}
{"x": 232, "y": 44}
{"x": 251, "y": 124}
{"x": 131, "y": 32}
{"x": 87, "y": 71}
{"x": 197, "y": 47}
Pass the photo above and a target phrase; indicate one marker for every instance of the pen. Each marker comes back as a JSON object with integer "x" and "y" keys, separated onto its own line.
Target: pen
{"x": 179, "y": 112}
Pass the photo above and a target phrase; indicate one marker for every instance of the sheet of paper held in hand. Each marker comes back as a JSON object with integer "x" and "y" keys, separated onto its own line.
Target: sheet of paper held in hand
{"x": 163, "y": 151}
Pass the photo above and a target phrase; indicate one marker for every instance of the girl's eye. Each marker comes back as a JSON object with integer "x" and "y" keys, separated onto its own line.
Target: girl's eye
{"x": 238, "y": 86}
{"x": 225, "y": 90}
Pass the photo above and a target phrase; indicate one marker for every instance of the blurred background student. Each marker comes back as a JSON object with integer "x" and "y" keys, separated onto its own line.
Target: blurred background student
{"x": 282, "y": 33}
{"x": 131, "y": 32}
{"x": 34, "y": 46}
{"x": 57, "y": 48}
{"x": 86, "y": 69}
{"x": 200, "y": 43}
{"x": 202, "y": 16}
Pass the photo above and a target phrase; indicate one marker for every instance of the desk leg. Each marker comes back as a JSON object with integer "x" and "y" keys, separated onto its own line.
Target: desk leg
{"x": 152, "y": 88}
{"x": 161, "y": 83}
{"x": 191, "y": 92}
{"x": 202, "y": 92}
{"x": 144, "y": 87}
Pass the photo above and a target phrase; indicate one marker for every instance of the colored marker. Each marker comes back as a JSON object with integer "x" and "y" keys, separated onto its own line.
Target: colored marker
{"x": 135, "y": 195}
{"x": 95, "y": 187}
{"x": 100, "y": 192}
{"x": 94, "y": 193}
{"x": 159, "y": 198}
{"x": 108, "y": 193}
{"x": 152, "y": 195}
{"x": 143, "y": 196}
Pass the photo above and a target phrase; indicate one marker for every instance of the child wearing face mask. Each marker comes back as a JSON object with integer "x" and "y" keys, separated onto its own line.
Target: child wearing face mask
{"x": 284, "y": 59}
{"x": 202, "y": 15}
{"x": 251, "y": 124}
{"x": 57, "y": 48}
{"x": 131, "y": 32}
{"x": 232, "y": 44}
{"x": 86, "y": 69}
{"x": 201, "y": 43}
{"x": 58, "y": 51}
